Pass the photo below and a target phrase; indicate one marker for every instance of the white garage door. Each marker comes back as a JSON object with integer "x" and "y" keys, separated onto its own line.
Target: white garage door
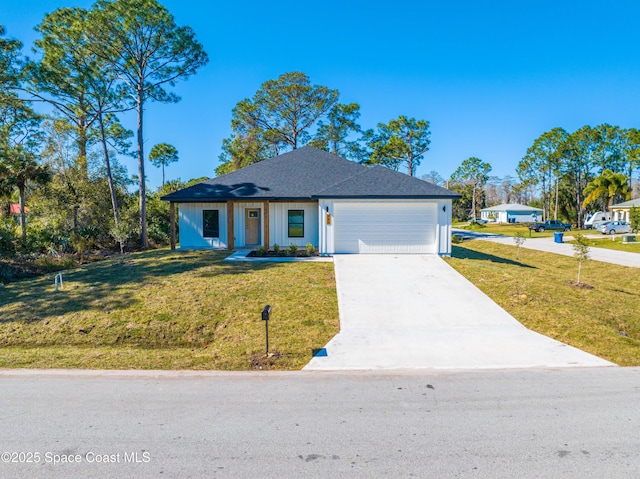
{"x": 385, "y": 227}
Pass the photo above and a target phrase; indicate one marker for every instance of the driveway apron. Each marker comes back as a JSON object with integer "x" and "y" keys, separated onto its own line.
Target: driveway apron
{"x": 415, "y": 311}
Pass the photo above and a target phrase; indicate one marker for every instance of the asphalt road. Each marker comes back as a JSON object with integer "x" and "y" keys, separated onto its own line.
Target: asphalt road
{"x": 577, "y": 423}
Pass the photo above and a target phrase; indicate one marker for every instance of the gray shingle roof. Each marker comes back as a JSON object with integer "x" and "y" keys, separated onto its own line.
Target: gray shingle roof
{"x": 308, "y": 173}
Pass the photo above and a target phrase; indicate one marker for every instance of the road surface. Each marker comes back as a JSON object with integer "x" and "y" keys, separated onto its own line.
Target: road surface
{"x": 578, "y": 423}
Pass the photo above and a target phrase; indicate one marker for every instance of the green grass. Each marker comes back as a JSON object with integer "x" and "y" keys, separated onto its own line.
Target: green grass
{"x": 613, "y": 243}
{"x": 509, "y": 229}
{"x": 166, "y": 310}
{"x": 536, "y": 290}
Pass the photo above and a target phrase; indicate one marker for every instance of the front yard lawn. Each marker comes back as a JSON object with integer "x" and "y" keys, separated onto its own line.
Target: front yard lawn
{"x": 613, "y": 243}
{"x": 536, "y": 290}
{"x": 168, "y": 310}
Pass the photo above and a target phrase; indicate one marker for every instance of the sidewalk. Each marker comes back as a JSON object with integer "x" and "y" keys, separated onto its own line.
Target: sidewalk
{"x": 547, "y": 245}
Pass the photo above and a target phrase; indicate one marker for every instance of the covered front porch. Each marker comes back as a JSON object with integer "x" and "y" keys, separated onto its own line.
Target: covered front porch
{"x": 244, "y": 224}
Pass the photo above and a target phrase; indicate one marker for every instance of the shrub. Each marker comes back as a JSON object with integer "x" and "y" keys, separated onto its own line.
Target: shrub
{"x": 310, "y": 249}
{"x": 293, "y": 249}
{"x": 276, "y": 248}
{"x": 261, "y": 251}
{"x": 456, "y": 239}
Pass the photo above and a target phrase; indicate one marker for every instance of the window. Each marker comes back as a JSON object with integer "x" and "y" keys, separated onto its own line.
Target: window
{"x": 296, "y": 223}
{"x": 210, "y": 224}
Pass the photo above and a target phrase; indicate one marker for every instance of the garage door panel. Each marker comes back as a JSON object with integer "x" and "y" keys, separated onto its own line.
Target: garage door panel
{"x": 385, "y": 228}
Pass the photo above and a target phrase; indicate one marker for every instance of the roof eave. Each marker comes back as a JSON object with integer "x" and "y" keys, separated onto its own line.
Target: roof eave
{"x": 389, "y": 197}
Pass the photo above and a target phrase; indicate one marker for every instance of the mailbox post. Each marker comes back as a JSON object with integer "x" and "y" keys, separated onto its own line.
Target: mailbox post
{"x": 266, "y": 315}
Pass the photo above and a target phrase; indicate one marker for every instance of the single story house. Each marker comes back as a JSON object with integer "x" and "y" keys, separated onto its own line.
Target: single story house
{"x": 621, "y": 210}
{"x": 511, "y": 213}
{"x": 311, "y": 196}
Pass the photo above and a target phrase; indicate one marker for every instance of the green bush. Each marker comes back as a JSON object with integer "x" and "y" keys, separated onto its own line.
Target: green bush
{"x": 261, "y": 251}
{"x": 8, "y": 237}
{"x": 293, "y": 249}
{"x": 276, "y": 248}
{"x": 310, "y": 249}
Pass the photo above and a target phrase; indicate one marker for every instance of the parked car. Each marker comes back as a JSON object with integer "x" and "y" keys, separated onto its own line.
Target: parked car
{"x": 553, "y": 225}
{"x": 482, "y": 221}
{"x": 613, "y": 227}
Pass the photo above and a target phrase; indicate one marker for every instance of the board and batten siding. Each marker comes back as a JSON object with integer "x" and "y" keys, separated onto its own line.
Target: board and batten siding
{"x": 190, "y": 221}
{"x": 279, "y": 223}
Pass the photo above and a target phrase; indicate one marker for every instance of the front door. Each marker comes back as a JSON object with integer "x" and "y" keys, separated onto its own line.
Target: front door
{"x": 252, "y": 227}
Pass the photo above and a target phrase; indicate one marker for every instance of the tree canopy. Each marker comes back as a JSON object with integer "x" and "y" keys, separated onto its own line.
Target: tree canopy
{"x": 475, "y": 173}
{"x": 401, "y": 142}
{"x": 277, "y": 118}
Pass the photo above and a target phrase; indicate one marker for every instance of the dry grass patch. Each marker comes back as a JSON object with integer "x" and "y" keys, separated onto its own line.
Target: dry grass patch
{"x": 536, "y": 290}
{"x": 168, "y": 310}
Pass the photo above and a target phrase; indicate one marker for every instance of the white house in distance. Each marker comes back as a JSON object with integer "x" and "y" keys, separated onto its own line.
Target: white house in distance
{"x": 621, "y": 210}
{"x": 311, "y": 196}
{"x": 511, "y": 213}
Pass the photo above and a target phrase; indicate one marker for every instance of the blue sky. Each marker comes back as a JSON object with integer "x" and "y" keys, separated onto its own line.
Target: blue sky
{"x": 489, "y": 76}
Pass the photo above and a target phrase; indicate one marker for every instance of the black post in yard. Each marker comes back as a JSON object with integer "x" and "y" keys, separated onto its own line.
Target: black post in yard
{"x": 266, "y": 315}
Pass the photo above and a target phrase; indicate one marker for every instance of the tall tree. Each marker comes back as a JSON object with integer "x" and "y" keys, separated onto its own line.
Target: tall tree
{"x": 18, "y": 167}
{"x": 475, "y": 172}
{"x": 607, "y": 189}
{"x": 10, "y": 68}
{"x": 579, "y": 152}
{"x": 162, "y": 155}
{"x": 610, "y": 147}
{"x": 434, "y": 177}
{"x": 278, "y": 117}
{"x": 77, "y": 82}
{"x": 19, "y": 129}
{"x": 631, "y": 153}
{"x": 62, "y": 76}
{"x": 541, "y": 166}
{"x": 336, "y": 135}
{"x": 402, "y": 141}
{"x": 144, "y": 47}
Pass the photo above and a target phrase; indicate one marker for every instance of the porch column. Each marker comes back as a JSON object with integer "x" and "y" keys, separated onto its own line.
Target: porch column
{"x": 265, "y": 205}
{"x": 172, "y": 224}
{"x": 230, "y": 227}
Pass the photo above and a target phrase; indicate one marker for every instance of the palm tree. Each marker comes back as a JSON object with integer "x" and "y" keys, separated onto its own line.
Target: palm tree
{"x": 607, "y": 188}
{"x": 18, "y": 168}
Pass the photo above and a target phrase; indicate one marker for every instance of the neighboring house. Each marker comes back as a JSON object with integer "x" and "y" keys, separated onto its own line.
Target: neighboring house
{"x": 311, "y": 196}
{"x": 14, "y": 211}
{"x": 511, "y": 213}
{"x": 621, "y": 210}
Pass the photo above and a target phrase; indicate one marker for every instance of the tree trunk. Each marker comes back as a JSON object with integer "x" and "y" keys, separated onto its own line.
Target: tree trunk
{"x": 579, "y": 268}
{"x": 107, "y": 161}
{"x": 82, "y": 141}
{"x": 23, "y": 218}
{"x": 144, "y": 241}
{"x": 473, "y": 202}
{"x": 555, "y": 211}
{"x": 545, "y": 198}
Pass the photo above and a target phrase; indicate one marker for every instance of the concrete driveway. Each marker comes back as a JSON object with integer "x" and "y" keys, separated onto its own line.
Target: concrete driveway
{"x": 415, "y": 311}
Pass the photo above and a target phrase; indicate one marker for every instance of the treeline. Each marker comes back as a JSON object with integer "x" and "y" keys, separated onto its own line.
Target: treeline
{"x": 590, "y": 168}
{"x": 91, "y": 67}
{"x": 290, "y": 112}
{"x": 565, "y": 174}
